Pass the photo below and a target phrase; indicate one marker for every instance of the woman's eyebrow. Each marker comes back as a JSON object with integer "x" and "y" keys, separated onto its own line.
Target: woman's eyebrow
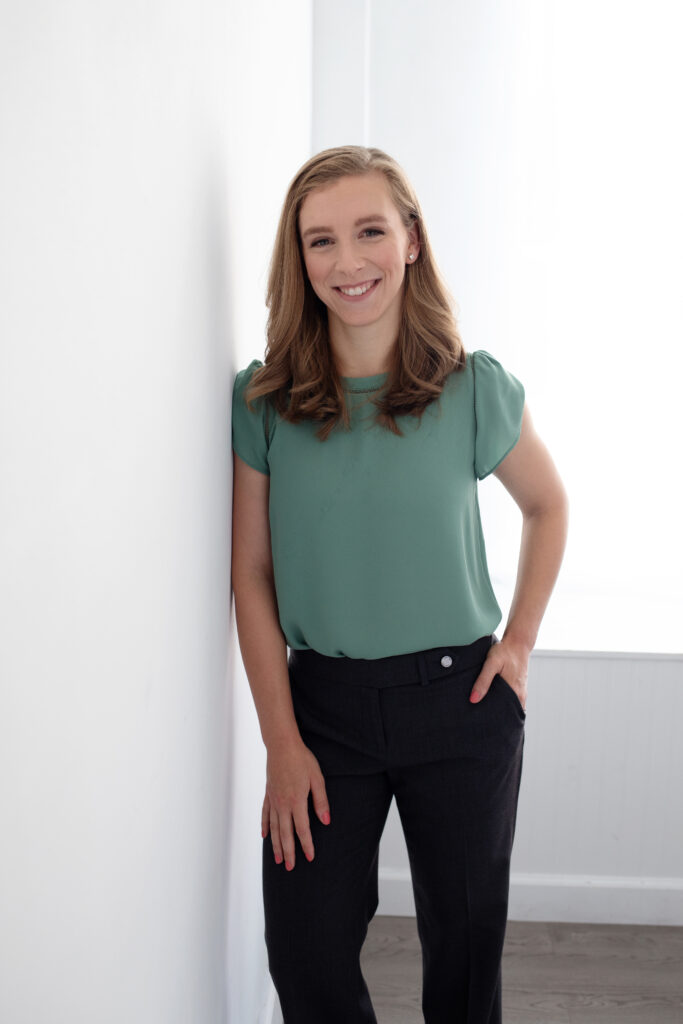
{"x": 375, "y": 218}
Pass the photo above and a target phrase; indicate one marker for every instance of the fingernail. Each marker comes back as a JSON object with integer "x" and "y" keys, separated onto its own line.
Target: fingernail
{"x": 474, "y": 697}
{"x": 326, "y": 817}
{"x": 288, "y": 865}
{"x": 278, "y": 858}
{"x": 309, "y": 858}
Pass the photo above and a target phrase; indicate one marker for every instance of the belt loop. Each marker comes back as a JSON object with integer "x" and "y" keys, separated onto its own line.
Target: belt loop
{"x": 422, "y": 663}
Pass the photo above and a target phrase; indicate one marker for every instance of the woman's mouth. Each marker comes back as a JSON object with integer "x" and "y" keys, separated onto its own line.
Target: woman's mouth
{"x": 357, "y": 291}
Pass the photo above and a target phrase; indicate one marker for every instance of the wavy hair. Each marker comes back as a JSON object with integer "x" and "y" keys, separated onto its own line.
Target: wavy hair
{"x": 299, "y": 376}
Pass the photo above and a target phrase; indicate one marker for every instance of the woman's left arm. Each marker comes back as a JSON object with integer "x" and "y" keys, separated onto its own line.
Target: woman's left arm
{"x": 529, "y": 474}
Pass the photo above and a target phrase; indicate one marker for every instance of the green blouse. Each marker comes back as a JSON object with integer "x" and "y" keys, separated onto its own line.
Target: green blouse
{"x": 376, "y": 539}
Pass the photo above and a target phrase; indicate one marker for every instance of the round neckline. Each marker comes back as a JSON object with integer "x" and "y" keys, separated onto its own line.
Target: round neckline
{"x": 371, "y": 383}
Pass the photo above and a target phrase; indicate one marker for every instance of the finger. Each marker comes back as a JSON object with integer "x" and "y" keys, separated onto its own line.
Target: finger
{"x": 287, "y": 838}
{"x": 303, "y": 830}
{"x": 275, "y": 837}
{"x": 320, "y": 801}
{"x": 265, "y": 817}
{"x": 481, "y": 686}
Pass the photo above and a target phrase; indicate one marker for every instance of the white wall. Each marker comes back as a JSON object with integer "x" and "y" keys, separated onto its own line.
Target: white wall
{"x": 442, "y": 87}
{"x": 270, "y": 137}
{"x": 144, "y": 149}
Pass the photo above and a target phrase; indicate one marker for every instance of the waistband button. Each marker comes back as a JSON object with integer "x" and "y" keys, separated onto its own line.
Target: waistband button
{"x": 446, "y": 661}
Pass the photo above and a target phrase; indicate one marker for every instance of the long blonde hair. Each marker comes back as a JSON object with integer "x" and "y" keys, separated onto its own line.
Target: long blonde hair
{"x": 299, "y": 376}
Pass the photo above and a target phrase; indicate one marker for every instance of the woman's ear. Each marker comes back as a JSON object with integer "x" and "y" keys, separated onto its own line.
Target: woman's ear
{"x": 414, "y": 243}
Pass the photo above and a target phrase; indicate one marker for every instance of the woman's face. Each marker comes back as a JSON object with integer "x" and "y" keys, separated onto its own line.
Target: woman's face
{"x": 356, "y": 248}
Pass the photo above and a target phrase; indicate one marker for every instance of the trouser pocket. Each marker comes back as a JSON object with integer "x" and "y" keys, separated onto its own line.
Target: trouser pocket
{"x": 511, "y": 694}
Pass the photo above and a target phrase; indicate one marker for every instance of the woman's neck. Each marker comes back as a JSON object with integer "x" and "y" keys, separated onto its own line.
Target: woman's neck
{"x": 362, "y": 351}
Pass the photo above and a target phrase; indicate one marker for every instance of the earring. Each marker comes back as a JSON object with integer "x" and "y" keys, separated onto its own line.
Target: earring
{"x": 411, "y": 256}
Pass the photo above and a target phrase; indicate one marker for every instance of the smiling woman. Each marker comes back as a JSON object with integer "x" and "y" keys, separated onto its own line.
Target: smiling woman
{"x": 353, "y": 287}
{"x": 362, "y": 551}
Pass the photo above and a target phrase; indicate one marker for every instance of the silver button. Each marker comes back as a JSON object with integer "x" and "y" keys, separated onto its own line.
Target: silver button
{"x": 446, "y": 661}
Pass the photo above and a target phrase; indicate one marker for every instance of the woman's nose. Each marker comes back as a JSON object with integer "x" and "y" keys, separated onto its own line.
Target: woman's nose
{"x": 349, "y": 259}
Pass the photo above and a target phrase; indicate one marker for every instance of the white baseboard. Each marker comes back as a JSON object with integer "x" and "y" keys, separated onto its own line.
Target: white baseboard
{"x": 588, "y": 899}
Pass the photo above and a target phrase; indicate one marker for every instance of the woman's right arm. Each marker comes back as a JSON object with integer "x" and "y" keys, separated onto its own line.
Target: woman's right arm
{"x": 292, "y": 769}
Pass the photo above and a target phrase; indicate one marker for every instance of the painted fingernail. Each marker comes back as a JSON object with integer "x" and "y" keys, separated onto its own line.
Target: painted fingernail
{"x": 278, "y": 858}
{"x": 474, "y": 697}
{"x": 288, "y": 865}
{"x": 326, "y": 817}
{"x": 309, "y": 858}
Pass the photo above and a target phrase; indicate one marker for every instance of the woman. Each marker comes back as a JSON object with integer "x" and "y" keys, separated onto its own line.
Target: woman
{"x": 357, "y": 543}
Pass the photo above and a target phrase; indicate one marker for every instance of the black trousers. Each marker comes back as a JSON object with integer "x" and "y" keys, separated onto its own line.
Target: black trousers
{"x": 399, "y": 727}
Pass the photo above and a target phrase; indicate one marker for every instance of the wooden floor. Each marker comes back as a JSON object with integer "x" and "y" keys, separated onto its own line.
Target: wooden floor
{"x": 552, "y": 973}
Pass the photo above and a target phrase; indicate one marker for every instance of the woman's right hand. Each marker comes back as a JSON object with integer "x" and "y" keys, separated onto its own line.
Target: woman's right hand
{"x": 292, "y": 772}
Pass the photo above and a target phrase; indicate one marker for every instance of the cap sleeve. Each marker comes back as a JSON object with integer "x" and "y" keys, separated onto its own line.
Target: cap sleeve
{"x": 249, "y": 438}
{"x": 498, "y": 407}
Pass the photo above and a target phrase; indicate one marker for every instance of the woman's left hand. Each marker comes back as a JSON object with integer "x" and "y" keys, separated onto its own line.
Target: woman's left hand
{"x": 508, "y": 659}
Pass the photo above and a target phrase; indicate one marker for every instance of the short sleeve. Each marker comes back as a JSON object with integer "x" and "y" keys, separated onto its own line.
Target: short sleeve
{"x": 249, "y": 438}
{"x": 498, "y": 407}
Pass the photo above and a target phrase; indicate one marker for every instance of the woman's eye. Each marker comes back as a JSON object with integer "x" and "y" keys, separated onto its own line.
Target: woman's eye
{"x": 323, "y": 243}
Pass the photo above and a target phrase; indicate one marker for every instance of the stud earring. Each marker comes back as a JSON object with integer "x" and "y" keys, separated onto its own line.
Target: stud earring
{"x": 411, "y": 256}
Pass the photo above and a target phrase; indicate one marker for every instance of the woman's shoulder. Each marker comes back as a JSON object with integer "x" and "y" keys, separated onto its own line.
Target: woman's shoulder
{"x": 474, "y": 360}
{"x": 245, "y": 375}
{"x": 243, "y": 379}
{"x": 488, "y": 373}
{"x": 481, "y": 357}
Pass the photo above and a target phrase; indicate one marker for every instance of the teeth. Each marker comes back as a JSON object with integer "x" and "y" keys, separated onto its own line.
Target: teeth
{"x": 360, "y": 290}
